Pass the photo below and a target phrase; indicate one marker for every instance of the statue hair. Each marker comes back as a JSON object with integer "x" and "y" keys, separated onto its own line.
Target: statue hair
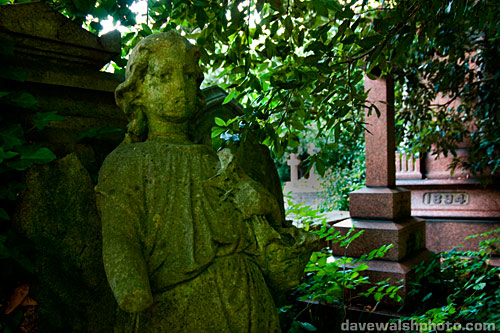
{"x": 127, "y": 93}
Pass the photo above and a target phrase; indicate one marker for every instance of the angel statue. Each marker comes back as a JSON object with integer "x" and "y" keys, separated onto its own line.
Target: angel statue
{"x": 191, "y": 241}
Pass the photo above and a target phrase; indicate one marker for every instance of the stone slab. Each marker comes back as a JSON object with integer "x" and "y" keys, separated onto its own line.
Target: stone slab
{"x": 449, "y": 199}
{"x": 65, "y": 76}
{"x": 380, "y": 203}
{"x": 43, "y": 34}
{"x": 408, "y": 237}
{"x": 444, "y": 234}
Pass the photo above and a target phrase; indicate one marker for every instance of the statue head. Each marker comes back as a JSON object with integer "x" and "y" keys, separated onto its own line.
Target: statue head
{"x": 161, "y": 86}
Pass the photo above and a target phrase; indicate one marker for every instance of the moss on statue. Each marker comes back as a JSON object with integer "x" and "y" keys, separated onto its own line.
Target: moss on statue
{"x": 190, "y": 241}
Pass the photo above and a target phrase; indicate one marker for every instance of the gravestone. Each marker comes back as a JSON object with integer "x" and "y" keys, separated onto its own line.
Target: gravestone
{"x": 381, "y": 209}
{"x": 455, "y": 205}
{"x": 306, "y": 190}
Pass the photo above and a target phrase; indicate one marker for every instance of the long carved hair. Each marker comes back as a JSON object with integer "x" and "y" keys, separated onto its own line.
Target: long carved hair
{"x": 127, "y": 94}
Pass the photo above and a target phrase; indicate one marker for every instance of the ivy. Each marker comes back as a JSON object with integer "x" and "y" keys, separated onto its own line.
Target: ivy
{"x": 17, "y": 154}
{"x": 459, "y": 286}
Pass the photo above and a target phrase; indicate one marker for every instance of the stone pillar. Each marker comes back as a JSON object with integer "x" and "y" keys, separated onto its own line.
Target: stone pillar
{"x": 381, "y": 208}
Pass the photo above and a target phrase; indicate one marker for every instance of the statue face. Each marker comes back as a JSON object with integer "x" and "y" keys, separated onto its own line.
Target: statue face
{"x": 169, "y": 90}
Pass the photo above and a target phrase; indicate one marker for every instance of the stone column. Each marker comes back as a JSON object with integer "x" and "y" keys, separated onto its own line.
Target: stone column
{"x": 381, "y": 208}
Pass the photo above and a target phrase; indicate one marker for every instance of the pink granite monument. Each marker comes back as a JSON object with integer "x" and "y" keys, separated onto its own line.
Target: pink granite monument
{"x": 382, "y": 209}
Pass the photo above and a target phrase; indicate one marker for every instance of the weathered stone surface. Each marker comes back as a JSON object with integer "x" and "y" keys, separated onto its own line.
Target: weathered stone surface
{"x": 43, "y": 34}
{"x": 407, "y": 236}
{"x": 190, "y": 241}
{"x": 380, "y": 203}
{"x": 58, "y": 213}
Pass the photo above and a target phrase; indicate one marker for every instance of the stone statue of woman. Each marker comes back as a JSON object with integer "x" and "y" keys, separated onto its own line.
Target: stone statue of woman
{"x": 190, "y": 242}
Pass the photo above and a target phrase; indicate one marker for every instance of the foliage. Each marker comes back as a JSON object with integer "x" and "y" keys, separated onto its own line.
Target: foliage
{"x": 327, "y": 279}
{"x": 17, "y": 154}
{"x": 297, "y": 63}
{"x": 291, "y": 64}
{"x": 450, "y": 48}
{"x": 459, "y": 286}
{"x": 348, "y": 175}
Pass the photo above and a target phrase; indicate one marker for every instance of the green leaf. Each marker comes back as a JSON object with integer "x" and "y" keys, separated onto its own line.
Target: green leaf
{"x": 322, "y": 261}
{"x": 19, "y": 165}
{"x": 146, "y": 28}
{"x": 219, "y": 122}
{"x": 84, "y": 6}
{"x": 12, "y": 136}
{"x": 479, "y": 286}
{"x": 370, "y": 41}
{"x": 308, "y": 327}
{"x": 4, "y": 215}
{"x": 37, "y": 155}
{"x": 288, "y": 25}
{"x": 217, "y": 131}
{"x": 320, "y": 167}
{"x": 24, "y": 100}
{"x": 229, "y": 98}
{"x": 100, "y": 13}
{"x": 40, "y": 120}
{"x": 333, "y": 5}
{"x": 6, "y": 155}
{"x": 361, "y": 267}
{"x": 277, "y": 5}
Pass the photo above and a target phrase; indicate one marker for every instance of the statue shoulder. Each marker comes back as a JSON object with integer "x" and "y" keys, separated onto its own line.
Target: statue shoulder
{"x": 124, "y": 160}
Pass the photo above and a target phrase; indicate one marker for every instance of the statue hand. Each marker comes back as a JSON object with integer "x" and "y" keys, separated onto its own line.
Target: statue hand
{"x": 136, "y": 301}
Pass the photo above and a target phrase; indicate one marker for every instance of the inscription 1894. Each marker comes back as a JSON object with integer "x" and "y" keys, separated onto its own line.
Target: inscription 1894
{"x": 445, "y": 198}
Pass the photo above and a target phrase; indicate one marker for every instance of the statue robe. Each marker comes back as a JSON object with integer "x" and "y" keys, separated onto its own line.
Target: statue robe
{"x": 169, "y": 234}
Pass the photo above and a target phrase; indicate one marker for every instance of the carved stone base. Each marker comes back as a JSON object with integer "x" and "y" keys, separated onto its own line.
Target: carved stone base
{"x": 407, "y": 235}
{"x": 380, "y": 203}
{"x": 398, "y": 272}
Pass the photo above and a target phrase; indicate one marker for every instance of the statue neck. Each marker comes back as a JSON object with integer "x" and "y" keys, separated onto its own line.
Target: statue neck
{"x": 168, "y": 132}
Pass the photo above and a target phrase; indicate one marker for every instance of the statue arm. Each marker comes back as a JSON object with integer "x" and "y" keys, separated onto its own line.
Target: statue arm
{"x": 125, "y": 266}
{"x": 121, "y": 214}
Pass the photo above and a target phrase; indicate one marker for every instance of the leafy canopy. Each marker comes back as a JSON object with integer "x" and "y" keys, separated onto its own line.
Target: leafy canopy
{"x": 298, "y": 65}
